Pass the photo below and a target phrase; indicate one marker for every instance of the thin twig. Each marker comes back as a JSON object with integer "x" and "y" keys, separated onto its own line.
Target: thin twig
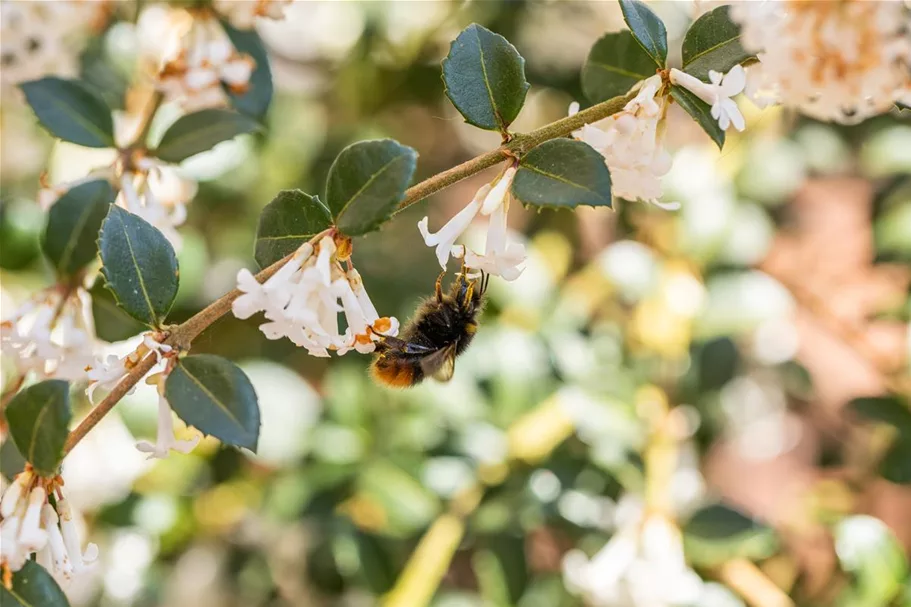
{"x": 183, "y": 335}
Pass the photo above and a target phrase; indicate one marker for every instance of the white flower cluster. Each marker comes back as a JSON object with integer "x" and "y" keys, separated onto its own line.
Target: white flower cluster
{"x": 51, "y": 335}
{"x": 303, "y": 299}
{"x": 205, "y": 59}
{"x": 642, "y": 564}
{"x": 840, "y": 61}
{"x": 31, "y": 525}
{"x": 43, "y": 38}
{"x": 632, "y": 143}
{"x": 500, "y": 257}
{"x": 243, "y": 15}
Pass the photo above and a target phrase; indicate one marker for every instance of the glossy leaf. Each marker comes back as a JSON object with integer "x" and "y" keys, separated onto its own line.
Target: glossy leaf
{"x": 214, "y": 395}
{"x": 647, "y": 28}
{"x": 33, "y": 586}
{"x": 71, "y": 111}
{"x": 713, "y": 43}
{"x": 615, "y": 63}
{"x": 366, "y": 183}
{"x": 201, "y": 131}
{"x": 139, "y": 265}
{"x": 290, "y": 220}
{"x": 700, "y": 111}
{"x": 70, "y": 239}
{"x": 111, "y": 322}
{"x": 255, "y": 101}
{"x": 484, "y": 77}
{"x": 869, "y": 551}
{"x": 718, "y": 533}
{"x": 39, "y": 418}
{"x": 563, "y": 173}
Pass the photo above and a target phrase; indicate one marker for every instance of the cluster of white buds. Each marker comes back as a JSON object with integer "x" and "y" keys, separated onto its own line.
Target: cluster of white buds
{"x": 243, "y": 15}
{"x": 205, "y": 59}
{"x": 500, "y": 257}
{"x": 841, "y": 61}
{"x": 51, "y": 335}
{"x": 31, "y": 525}
{"x": 303, "y": 299}
{"x": 632, "y": 143}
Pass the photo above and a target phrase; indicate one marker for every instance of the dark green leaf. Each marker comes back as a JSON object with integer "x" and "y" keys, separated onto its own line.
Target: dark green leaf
{"x": 717, "y": 533}
{"x": 11, "y": 461}
{"x": 291, "y": 219}
{"x": 718, "y": 360}
{"x": 38, "y": 419}
{"x": 111, "y": 322}
{"x": 377, "y": 565}
{"x": 33, "y": 586}
{"x": 366, "y": 182}
{"x": 139, "y": 265}
{"x": 713, "y": 43}
{"x": 701, "y": 111}
{"x": 255, "y": 101}
{"x": 563, "y": 173}
{"x": 895, "y": 466}
{"x": 71, "y": 111}
{"x": 70, "y": 239}
{"x": 213, "y": 394}
{"x": 201, "y": 131}
{"x": 886, "y": 409}
{"x": 484, "y": 77}
{"x": 647, "y": 28}
{"x": 615, "y": 63}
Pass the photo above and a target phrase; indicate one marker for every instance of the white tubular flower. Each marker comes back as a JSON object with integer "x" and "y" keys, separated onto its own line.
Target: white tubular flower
{"x": 444, "y": 239}
{"x": 60, "y": 559}
{"x": 107, "y": 372}
{"x": 51, "y": 336}
{"x": 203, "y": 61}
{"x": 632, "y": 143}
{"x": 303, "y": 299}
{"x": 838, "y": 61}
{"x": 718, "y": 93}
{"x": 21, "y": 532}
{"x": 164, "y": 438}
{"x": 31, "y": 536}
{"x": 79, "y": 559}
{"x": 499, "y": 258}
{"x": 243, "y": 15}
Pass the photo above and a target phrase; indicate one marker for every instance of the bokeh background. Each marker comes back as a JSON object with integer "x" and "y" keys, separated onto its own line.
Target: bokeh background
{"x": 671, "y": 359}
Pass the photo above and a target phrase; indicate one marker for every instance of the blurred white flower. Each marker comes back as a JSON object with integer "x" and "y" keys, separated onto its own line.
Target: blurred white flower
{"x": 243, "y": 13}
{"x": 718, "y": 93}
{"x": 52, "y": 334}
{"x": 839, "y": 61}
{"x": 500, "y": 257}
{"x": 632, "y": 143}
{"x": 204, "y": 60}
{"x": 158, "y": 194}
{"x": 31, "y": 525}
{"x": 164, "y": 438}
{"x": 44, "y": 38}
{"x": 303, "y": 299}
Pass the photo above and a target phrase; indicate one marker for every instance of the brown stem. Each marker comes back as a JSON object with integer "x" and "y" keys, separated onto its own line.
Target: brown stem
{"x": 183, "y": 335}
{"x": 518, "y": 146}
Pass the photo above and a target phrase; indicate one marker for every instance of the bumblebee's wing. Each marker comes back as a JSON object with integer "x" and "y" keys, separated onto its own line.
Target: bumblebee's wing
{"x": 441, "y": 364}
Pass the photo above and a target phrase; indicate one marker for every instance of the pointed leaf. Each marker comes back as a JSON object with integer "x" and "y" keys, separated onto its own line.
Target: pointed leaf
{"x": 33, "y": 586}
{"x": 38, "y": 420}
{"x": 647, "y": 28}
{"x": 563, "y": 173}
{"x": 139, "y": 265}
{"x": 71, "y": 111}
{"x": 255, "y": 101}
{"x": 201, "y": 131}
{"x": 214, "y": 395}
{"x": 484, "y": 77}
{"x": 70, "y": 239}
{"x": 718, "y": 533}
{"x": 366, "y": 183}
{"x": 713, "y": 43}
{"x": 700, "y": 111}
{"x": 290, "y": 220}
{"x": 615, "y": 63}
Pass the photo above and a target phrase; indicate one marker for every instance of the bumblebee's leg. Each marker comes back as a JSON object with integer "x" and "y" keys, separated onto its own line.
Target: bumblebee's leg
{"x": 439, "y": 286}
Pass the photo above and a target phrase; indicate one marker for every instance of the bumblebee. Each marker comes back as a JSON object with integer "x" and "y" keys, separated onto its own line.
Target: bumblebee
{"x": 442, "y": 328}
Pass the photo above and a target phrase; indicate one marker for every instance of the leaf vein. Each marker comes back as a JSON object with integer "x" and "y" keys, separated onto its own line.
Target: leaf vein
{"x": 214, "y": 398}
{"x": 39, "y": 419}
{"x": 142, "y": 283}
{"x": 365, "y": 186}
{"x": 562, "y": 179}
